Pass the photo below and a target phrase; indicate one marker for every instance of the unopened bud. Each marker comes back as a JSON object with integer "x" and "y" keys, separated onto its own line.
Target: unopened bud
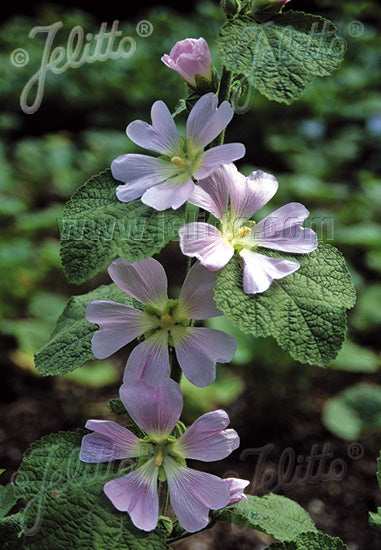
{"x": 231, "y": 7}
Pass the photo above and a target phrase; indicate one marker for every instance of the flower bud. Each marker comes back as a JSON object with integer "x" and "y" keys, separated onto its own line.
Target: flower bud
{"x": 231, "y": 7}
{"x": 263, "y": 10}
{"x": 190, "y": 57}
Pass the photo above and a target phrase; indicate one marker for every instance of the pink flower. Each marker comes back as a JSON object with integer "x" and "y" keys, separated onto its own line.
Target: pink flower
{"x": 168, "y": 181}
{"x": 163, "y": 322}
{"x": 190, "y": 57}
{"x": 192, "y": 493}
{"x": 236, "y": 487}
{"x": 233, "y": 200}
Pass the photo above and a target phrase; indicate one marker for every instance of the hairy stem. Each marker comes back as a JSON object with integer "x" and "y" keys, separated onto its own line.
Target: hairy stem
{"x": 224, "y": 93}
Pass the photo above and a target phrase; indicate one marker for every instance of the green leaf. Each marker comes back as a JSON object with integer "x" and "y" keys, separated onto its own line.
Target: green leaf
{"x": 67, "y": 507}
{"x": 311, "y": 541}
{"x": 354, "y": 412}
{"x": 10, "y": 529}
{"x": 8, "y": 498}
{"x": 304, "y": 312}
{"x": 355, "y": 358}
{"x": 282, "y": 56}
{"x": 375, "y": 518}
{"x": 69, "y": 346}
{"x": 272, "y": 514}
{"x": 97, "y": 228}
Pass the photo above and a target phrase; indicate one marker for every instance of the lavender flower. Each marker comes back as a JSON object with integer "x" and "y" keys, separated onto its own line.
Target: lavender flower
{"x": 167, "y": 181}
{"x": 163, "y": 322}
{"x": 236, "y": 487}
{"x": 161, "y": 457}
{"x": 190, "y": 57}
{"x": 233, "y": 199}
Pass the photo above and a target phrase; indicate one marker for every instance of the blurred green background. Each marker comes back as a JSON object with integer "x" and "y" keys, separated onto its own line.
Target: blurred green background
{"x": 324, "y": 149}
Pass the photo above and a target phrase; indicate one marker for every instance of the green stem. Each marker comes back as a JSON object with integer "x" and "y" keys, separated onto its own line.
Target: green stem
{"x": 165, "y": 499}
{"x": 224, "y": 93}
{"x": 186, "y": 534}
{"x": 176, "y": 371}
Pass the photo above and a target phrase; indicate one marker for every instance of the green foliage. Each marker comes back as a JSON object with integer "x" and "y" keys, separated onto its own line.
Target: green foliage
{"x": 69, "y": 345}
{"x": 97, "y": 228}
{"x": 66, "y": 504}
{"x": 375, "y": 518}
{"x": 311, "y": 541}
{"x": 304, "y": 312}
{"x": 354, "y": 412}
{"x": 355, "y": 358}
{"x": 8, "y": 498}
{"x": 272, "y": 514}
{"x": 281, "y": 57}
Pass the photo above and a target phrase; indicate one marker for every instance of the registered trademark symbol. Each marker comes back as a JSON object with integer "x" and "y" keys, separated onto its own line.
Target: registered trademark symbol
{"x": 356, "y": 29}
{"x": 144, "y": 28}
{"x": 355, "y": 451}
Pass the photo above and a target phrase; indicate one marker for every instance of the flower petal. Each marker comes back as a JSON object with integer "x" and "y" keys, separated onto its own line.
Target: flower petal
{"x": 282, "y": 230}
{"x": 212, "y": 193}
{"x": 197, "y": 293}
{"x": 206, "y": 121}
{"x": 148, "y": 361}
{"x": 168, "y": 195}
{"x": 215, "y": 157}
{"x": 249, "y": 194}
{"x": 162, "y": 136}
{"x": 155, "y": 409}
{"x": 144, "y": 280}
{"x": 136, "y": 493}
{"x": 236, "y": 487}
{"x": 204, "y": 242}
{"x": 259, "y": 271}
{"x": 140, "y": 172}
{"x": 193, "y": 493}
{"x": 109, "y": 442}
{"x": 198, "y": 349}
{"x": 118, "y": 325}
{"x": 206, "y": 439}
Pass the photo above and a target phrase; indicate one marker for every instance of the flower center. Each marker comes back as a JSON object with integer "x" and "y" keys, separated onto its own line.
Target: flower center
{"x": 239, "y": 237}
{"x": 167, "y": 320}
{"x": 182, "y": 163}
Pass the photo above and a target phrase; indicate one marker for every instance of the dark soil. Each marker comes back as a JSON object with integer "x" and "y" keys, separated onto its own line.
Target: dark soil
{"x": 334, "y": 480}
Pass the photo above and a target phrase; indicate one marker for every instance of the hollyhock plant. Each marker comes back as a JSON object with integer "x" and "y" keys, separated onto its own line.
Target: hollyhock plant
{"x": 168, "y": 181}
{"x": 164, "y": 322}
{"x": 233, "y": 200}
{"x": 190, "y": 57}
{"x": 161, "y": 457}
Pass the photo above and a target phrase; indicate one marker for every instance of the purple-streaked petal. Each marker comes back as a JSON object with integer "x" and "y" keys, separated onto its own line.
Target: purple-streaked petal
{"x": 118, "y": 325}
{"x": 217, "y": 156}
{"x": 249, "y": 194}
{"x": 139, "y": 173}
{"x": 193, "y": 494}
{"x": 156, "y": 409}
{"x": 197, "y": 293}
{"x": 162, "y": 136}
{"x": 204, "y": 242}
{"x": 236, "y": 487}
{"x": 109, "y": 442}
{"x": 212, "y": 193}
{"x": 206, "y": 439}
{"x": 198, "y": 349}
{"x": 136, "y": 493}
{"x": 148, "y": 361}
{"x": 259, "y": 271}
{"x": 168, "y": 195}
{"x": 206, "y": 121}
{"x": 144, "y": 280}
{"x": 282, "y": 230}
